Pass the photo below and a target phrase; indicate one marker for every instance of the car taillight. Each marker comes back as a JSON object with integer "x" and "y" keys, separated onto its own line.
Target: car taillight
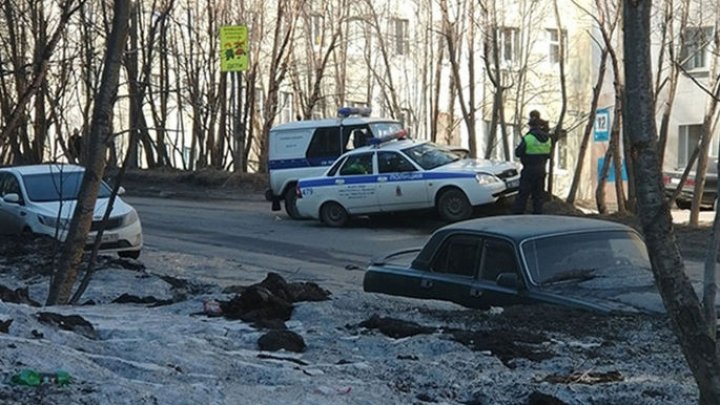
{"x": 298, "y": 192}
{"x": 690, "y": 182}
{"x": 666, "y": 179}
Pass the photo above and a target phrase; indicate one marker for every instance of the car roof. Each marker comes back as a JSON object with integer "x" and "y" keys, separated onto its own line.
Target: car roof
{"x": 331, "y": 122}
{"x": 520, "y": 227}
{"x": 43, "y": 168}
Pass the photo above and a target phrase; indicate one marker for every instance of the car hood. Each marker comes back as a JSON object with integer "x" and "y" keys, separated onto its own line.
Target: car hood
{"x": 51, "y": 208}
{"x": 479, "y": 165}
{"x": 634, "y": 292}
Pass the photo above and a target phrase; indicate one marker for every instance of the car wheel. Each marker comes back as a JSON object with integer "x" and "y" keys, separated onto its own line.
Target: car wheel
{"x": 291, "y": 203}
{"x": 683, "y": 204}
{"x": 454, "y": 206}
{"x": 333, "y": 214}
{"x": 130, "y": 254}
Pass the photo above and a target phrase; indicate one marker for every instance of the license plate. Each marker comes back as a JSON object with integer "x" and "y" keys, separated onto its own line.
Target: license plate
{"x": 106, "y": 238}
{"x": 513, "y": 183}
{"x": 674, "y": 181}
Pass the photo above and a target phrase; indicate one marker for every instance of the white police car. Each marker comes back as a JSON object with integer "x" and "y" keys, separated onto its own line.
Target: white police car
{"x": 399, "y": 174}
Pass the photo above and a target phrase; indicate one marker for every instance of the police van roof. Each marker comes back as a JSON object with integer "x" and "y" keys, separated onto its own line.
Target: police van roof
{"x": 390, "y": 145}
{"x": 332, "y": 122}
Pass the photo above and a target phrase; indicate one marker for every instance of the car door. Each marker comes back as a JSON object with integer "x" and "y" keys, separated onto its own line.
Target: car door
{"x": 499, "y": 256}
{"x": 12, "y": 215}
{"x": 356, "y": 184}
{"x": 401, "y": 185}
{"x": 455, "y": 267}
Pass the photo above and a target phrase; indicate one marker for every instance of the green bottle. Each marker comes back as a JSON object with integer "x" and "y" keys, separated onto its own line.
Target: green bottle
{"x": 33, "y": 378}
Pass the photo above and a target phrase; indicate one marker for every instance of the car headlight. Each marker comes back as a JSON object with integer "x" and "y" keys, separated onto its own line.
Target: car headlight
{"x": 483, "y": 178}
{"x": 130, "y": 218}
{"x": 53, "y": 222}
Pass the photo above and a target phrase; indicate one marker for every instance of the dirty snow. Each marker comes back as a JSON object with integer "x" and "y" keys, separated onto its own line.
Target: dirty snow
{"x": 173, "y": 354}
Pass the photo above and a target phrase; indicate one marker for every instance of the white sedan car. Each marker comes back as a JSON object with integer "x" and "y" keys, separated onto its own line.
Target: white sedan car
{"x": 41, "y": 199}
{"x": 400, "y": 175}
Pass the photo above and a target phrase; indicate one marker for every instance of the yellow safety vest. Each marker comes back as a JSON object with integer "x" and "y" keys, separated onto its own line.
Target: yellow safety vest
{"x": 534, "y": 147}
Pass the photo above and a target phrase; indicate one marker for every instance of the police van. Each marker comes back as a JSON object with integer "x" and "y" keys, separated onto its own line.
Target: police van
{"x": 307, "y": 148}
{"x": 398, "y": 174}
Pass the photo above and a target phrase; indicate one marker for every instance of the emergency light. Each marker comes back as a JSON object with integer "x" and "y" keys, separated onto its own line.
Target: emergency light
{"x": 401, "y": 134}
{"x": 345, "y": 112}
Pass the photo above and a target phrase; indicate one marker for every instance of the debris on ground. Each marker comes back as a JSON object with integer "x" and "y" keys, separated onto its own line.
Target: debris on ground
{"x": 74, "y": 323}
{"x": 134, "y": 299}
{"x": 587, "y": 377}
{"x": 538, "y": 398}
{"x": 17, "y": 296}
{"x": 34, "y": 378}
{"x": 395, "y": 328}
{"x": 5, "y": 325}
{"x": 275, "y": 340}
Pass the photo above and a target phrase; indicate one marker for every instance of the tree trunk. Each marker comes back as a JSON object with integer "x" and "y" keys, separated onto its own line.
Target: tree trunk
{"x": 66, "y": 271}
{"x": 572, "y": 194}
{"x": 680, "y": 300}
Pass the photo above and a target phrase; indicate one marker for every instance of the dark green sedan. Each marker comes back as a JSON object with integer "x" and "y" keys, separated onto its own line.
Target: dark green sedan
{"x": 524, "y": 259}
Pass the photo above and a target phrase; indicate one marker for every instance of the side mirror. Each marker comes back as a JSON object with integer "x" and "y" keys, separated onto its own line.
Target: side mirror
{"x": 509, "y": 280}
{"x": 121, "y": 190}
{"x": 12, "y": 198}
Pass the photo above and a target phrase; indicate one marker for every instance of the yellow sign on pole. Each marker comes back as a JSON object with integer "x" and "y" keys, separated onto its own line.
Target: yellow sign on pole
{"x": 233, "y": 48}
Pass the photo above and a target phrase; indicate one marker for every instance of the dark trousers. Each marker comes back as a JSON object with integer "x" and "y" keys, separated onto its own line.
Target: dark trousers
{"x": 532, "y": 182}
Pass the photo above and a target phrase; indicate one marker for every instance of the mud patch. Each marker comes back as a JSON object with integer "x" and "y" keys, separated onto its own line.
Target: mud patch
{"x": 133, "y": 299}
{"x": 281, "y": 339}
{"x": 395, "y": 328}
{"x": 74, "y": 323}
{"x": 506, "y": 345}
{"x": 17, "y": 296}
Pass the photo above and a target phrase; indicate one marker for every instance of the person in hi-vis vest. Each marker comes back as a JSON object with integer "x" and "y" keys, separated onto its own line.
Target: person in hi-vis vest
{"x": 534, "y": 152}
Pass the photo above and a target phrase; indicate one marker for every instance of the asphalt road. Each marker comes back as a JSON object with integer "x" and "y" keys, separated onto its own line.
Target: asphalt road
{"x": 247, "y": 231}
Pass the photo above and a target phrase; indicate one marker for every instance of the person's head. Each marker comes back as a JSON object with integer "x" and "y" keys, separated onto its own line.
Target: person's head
{"x": 535, "y": 121}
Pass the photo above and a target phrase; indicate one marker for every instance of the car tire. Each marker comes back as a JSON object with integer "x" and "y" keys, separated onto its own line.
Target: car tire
{"x": 130, "y": 254}
{"x": 291, "y": 204}
{"x": 453, "y": 205}
{"x": 333, "y": 214}
{"x": 683, "y": 204}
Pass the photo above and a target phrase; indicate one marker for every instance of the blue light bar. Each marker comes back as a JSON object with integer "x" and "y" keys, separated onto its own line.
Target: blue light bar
{"x": 348, "y": 111}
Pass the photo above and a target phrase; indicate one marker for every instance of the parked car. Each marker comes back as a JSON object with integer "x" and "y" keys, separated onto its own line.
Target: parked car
{"x": 684, "y": 199}
{"x": 525, "y": 259}
{"x": 41, "y": 199}
{"x": 398, "y": 174}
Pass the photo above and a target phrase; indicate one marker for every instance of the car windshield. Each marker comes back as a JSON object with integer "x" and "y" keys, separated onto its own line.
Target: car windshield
{"x": 379, "y": 129}
{"x": 429, "y": 155}
{"x": 584, "y": 256}
{"x": 56, "y": 186}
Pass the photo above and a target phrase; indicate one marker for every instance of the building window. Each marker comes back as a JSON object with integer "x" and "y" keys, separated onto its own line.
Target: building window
{"x": 553, "y": 38}
{"x": 695, "y": 51}
{"x": 316, "y": 29}
{"x": 401, "y": 42}
{"x": 509, "y": 43}
{"x": 286, "y": 106}
{"x": 688, "y": 138}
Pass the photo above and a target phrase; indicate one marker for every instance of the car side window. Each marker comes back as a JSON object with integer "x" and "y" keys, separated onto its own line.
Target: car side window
{"x": 11, "y": 185}
{"x": 459, "y": 254}
{"x": 393, "y": 162}
{"x": 325, "y": 143}
{"x": 335, "y": 167}
{"x": 357, "y": 165}
{"x": 498, "y": 257}
{"x": 355, "y": 136}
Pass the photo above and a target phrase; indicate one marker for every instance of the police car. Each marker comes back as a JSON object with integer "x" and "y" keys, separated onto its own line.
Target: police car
{"x": 399, "y": 174}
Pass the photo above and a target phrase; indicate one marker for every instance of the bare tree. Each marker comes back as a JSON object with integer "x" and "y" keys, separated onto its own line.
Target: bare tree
{"x": 683, "y": 305}
{"x": 65, "y": 274}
